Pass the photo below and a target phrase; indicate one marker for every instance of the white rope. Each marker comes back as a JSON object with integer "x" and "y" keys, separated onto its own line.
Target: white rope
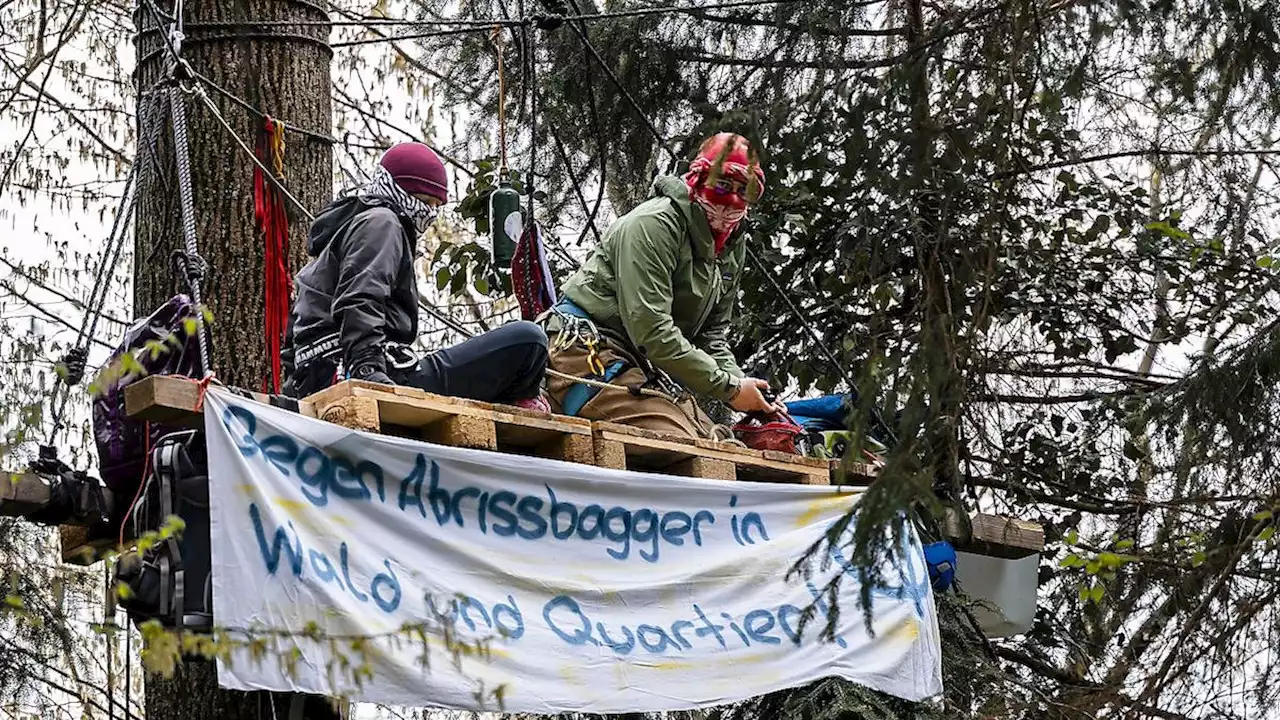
{"x": 604, "y": 385}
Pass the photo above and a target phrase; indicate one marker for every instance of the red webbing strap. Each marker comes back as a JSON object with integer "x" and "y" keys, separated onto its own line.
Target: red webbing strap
{"x": 269, "y": 209}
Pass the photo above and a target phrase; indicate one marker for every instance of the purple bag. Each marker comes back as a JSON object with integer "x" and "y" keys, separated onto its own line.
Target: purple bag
{"x": 161, "y": 345}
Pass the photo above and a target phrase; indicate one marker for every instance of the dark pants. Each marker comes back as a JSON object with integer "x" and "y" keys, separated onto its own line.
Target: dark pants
{"x": 502, "y": 365}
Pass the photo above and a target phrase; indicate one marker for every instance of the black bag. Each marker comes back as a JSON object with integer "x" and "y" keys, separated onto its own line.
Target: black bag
{"x": 122, "y": 440}
{"x": 171, "y": 580}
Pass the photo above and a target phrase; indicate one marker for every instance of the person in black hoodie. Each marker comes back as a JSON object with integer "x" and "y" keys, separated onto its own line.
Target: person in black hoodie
{"x": 356, "y": 312}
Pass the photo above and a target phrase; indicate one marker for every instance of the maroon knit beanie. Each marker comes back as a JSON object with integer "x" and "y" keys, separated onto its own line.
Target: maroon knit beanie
{"x": 417, "y": 169}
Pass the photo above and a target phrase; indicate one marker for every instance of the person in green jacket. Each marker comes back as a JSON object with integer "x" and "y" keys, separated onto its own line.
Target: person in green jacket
{"x": 650, "y": 309}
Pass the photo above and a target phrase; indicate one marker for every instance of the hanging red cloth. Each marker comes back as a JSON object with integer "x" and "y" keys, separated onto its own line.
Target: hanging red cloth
{"x": 530, "y": 274}
{"x": 273, "y": 219}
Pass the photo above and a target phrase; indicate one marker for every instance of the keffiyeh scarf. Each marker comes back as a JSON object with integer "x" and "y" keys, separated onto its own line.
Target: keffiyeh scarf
{"x": 384, "y": 186}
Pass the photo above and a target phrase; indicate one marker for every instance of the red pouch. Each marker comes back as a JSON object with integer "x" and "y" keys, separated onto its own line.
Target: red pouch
{"x": 769, "y": 432}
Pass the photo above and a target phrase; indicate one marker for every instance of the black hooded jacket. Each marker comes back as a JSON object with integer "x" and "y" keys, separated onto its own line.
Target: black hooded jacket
{"x": 360, "y": 284}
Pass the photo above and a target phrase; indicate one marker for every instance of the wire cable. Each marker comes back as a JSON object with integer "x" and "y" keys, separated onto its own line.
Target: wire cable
{"x": 37, "y": 307}
{"x": 674, "y": 9}
{"x": 245, "y": 104}
{"x": 217, "y": 114}
{"x": 413, "y": 36}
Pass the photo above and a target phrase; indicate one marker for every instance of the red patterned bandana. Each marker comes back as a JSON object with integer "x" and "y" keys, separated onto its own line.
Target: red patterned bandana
{"x": 723, "y": 156}
{"x": 723, "y": 210}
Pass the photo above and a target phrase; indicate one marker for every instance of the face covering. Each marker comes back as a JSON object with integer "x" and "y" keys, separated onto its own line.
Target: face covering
{"x": 384, "y": 186}
{"x": 724, "y": 211}
{"x": 726, "y": 156}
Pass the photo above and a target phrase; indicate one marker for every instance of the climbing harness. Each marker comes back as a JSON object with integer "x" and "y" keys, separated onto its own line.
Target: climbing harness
{"x": 577, "y": 328}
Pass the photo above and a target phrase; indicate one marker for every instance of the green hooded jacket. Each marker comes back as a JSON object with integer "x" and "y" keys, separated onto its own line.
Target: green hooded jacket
{"x": 656, "y": 279}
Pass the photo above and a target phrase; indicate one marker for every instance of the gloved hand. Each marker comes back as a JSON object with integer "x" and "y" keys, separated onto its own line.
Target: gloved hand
{"x": 371, "y": 373}
{"x": 71, "y": 367}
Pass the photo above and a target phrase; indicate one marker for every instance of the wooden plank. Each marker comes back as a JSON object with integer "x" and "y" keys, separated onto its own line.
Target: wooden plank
{"x": 466, "y": 431}
{"x": 610, "y": 454}
{"x": 171, "y": 400}
{"x": 22, "y": 494}
{"x": 357, "y": 413}
{"x": 166, "y": 399}
{"x": 703, "y": 467}
{"x": 856, "y": 474}
{"x": 993, "y": 535}
{"x": 569, "y": 448}
{"x": 649, "y": 450}
{"x": 77, "y": 548}
{"x": 488, "y": 426}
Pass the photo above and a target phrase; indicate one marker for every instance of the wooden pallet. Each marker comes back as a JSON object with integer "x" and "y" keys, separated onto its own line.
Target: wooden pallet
{"x": 409, "y": 412}
{"x": 628, "y": 448}
{"x": 466, "y": 423}
{"x": 993, "y": 535}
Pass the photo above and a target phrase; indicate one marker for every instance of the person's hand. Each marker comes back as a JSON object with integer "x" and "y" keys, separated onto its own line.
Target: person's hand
{"x": 750, "y": 397}
{"x": 370, "y": 373}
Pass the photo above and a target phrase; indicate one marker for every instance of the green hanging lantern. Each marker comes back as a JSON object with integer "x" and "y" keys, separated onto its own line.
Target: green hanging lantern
{"x": 505, "y": 221}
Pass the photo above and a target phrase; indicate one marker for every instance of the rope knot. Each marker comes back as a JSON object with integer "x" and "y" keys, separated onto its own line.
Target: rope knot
{"x": 191, "y": 265}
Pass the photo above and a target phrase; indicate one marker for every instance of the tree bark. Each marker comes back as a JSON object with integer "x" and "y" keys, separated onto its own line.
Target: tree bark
{"x": 281, "y": 71}
{"x": 285, "y": 76}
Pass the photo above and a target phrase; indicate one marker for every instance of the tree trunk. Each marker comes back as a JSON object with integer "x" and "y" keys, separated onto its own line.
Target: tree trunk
{"x": 281, "y": 71}
{"x": 285, "y": 76}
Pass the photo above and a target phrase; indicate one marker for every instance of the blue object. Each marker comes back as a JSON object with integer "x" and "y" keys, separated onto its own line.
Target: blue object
{"x": 829, "y": 408}
{"x": 941, "y": 558}
{"x": 581, "y": 393}
{"x": 809, "y": 423}
{"x": 569, "y": 307}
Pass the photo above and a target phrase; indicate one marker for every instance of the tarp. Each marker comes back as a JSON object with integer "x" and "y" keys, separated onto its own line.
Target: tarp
{"x": 395, "y": 571}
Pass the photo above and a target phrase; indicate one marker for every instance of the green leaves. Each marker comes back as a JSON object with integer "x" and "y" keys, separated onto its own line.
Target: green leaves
{"x": 1092, "y": 593}
{"x": 1163, "y": 227}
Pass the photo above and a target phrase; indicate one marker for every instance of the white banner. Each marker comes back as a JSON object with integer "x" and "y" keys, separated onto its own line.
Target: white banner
{"x": 412, "y": 574}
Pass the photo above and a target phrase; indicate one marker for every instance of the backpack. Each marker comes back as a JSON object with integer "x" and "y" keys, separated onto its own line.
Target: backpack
{"x": 776, "y": 431}
{"x": 171, "y": 580}
{"x": 120, "y": 439}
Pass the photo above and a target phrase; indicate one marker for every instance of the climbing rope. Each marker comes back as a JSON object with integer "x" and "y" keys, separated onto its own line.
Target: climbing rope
{"x": 73, "y": 364}
{"x": 605, "y": 385}
{"x": 179, "y": 73}
{"x": 531, "y": 60}
{"x": 193, "y": 264}
{"x": 496, "y": 38}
